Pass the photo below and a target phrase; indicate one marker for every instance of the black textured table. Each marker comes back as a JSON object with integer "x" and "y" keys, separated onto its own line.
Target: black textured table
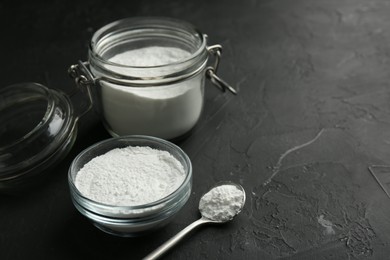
{"x": 312, "y": 115}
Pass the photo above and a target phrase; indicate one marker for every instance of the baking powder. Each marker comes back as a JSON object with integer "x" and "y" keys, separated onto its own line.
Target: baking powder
{"x": 165, "y": 111}
{"x": 222, "y": 203}
{"x": 150, "y": 56}
{"x": 130, "y": 176}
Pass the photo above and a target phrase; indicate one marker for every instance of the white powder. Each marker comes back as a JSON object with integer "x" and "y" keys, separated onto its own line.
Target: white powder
{"x": 130, "y": 176}
{"x": 222, "y": 203}
{"x": 166, "y": 111}
{"x": 150, "y": 56}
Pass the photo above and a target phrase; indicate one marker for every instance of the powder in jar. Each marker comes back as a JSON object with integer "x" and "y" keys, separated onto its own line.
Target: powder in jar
{"x": 150, "y": 56}
{"x": 130, "y": 176}
{"x": 222, "y": 203}
{"x": 165, "y": 111}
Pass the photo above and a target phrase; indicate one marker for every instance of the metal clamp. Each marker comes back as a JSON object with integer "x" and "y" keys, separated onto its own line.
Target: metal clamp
{"x": 211, "y": 71}
{"x": 84, "y": 80}
{"x": 81, "y": 74}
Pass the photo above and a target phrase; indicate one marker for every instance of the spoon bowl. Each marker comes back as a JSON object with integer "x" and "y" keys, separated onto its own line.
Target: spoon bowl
{"x": 219, "y": 205}
{"x": 222, "y": 202}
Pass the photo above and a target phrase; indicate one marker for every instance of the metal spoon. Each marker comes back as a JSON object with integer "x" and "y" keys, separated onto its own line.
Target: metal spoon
{"x": 203, "y": 220}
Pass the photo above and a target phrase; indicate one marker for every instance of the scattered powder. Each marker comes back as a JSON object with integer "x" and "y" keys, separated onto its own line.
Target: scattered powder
{"x": 326, "y": 224}
{"x": 222, "y": 203}
{"x": 130, "y": 176}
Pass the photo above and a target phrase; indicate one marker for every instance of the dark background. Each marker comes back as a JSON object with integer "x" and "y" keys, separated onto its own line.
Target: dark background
{"x": 313, "y": 110}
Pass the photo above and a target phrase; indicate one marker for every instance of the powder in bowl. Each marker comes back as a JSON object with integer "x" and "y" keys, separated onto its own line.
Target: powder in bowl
{"x": 130, "y": 176}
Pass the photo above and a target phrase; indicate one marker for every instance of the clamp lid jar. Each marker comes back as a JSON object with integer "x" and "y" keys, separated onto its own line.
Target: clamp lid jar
{"x": 38, "y": 129}
{"x": 146, "y": 76}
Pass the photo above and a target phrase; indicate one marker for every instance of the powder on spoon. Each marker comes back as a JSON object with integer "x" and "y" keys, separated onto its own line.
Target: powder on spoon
{"x": 130, "y": 176}
{"x": 222, "y": 203}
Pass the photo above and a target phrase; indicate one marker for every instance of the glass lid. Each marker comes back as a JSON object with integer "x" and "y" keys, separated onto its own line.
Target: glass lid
{"x": 38, "y": 128}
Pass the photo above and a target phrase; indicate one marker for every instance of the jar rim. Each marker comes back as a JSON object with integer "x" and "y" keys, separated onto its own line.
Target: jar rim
{"x": 161, "y": 22}
{"x": 140, "y": 30}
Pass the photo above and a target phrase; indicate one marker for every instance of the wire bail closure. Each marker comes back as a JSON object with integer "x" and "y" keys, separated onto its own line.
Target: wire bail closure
{"x": 211, "y": 71}
{"x": 84, "y": 80}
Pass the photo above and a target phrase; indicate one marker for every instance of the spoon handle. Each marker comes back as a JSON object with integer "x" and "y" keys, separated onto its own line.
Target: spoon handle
{"x": 174, "y": 240}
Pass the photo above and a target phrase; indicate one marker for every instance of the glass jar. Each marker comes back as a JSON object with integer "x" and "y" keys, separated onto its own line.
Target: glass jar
{"x": 133, "y": 86}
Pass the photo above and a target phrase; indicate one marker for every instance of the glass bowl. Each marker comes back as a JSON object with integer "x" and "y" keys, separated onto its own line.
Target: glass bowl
{"x": 38, "y": 128}
{"x": 130, "y": 221}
